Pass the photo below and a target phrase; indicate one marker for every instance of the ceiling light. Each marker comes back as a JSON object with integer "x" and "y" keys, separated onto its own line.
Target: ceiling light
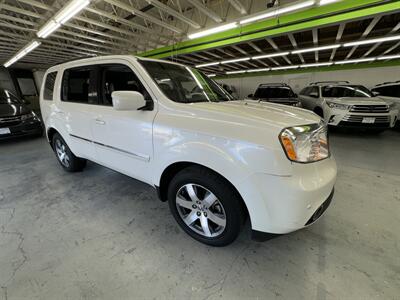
{"x": 284, "y": 68}
{"x": 258, "y": 70}
{"x": 207, "y": 64}
{"x": 279, "y": 11}
{"x": 24, "y": 51}
{"x": 354, "y": 61}
{"x": 47, "y": 29}
{"x": 389, "y": 57}
{"x": 315, "y": 49}
{"x": 373, "y": 41}
{"x": 235, "y": 60}
{"x": 271, "y": 55}
{"x": 316, "y": 65}
{"x": 325, "y": 2}
{"x": 236, "y": 72}
{"x": 66, "y": 13}
{"x": 213, "y": 30}
{"x": 212, "y": 75}
{"x": 70, "y": 10}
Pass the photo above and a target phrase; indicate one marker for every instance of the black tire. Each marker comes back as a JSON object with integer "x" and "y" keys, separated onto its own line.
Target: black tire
{"x": 74, "y": 164}
{"x": 232, "y": 207}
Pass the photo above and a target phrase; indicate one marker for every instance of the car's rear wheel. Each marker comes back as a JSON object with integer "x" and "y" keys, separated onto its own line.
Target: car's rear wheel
{"x": 65, "y": 157}
{"x": 205, "y": 206}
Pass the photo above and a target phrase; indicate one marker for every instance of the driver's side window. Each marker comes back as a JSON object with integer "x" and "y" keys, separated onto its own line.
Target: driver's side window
{"x": 118, "y": 77}
{"x": 314, "y": 92}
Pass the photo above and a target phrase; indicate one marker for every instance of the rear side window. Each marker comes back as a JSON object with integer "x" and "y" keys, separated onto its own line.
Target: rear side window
{"x": 76, "y": 85}
{"x": 389, "y": 91}
{"x": 49, "y": 86}
{"x": 274, "y": 92}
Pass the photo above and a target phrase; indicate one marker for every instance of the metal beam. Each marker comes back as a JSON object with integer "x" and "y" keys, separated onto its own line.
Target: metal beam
{"x": 205, "y": 10}
{"x": 238, "y": 6}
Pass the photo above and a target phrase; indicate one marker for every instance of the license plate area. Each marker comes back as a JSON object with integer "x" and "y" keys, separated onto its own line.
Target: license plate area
{"x": 5, "y": 131}
{"x": 368, "y": 120}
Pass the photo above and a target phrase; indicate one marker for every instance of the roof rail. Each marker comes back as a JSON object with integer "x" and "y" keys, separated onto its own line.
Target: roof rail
{"x": 388, "y": 82}
{"x": 337, "y": 81}
{"x": 274, "y": 84}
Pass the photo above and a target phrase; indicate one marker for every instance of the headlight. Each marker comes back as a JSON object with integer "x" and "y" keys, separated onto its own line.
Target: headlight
{"x": 304, "y": 144}
{"x": 29, "y": 116}
{"x": 337, "y": 105}
{"x": 392, "y": 105}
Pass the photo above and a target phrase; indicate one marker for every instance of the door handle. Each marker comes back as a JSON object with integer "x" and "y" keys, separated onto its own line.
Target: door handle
{"x": 100, "y": 122}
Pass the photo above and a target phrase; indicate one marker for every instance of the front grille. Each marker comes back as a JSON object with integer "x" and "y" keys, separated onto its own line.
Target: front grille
{"x": 359, "y": 118}
{"x": 9, "y": 121}
{"x": 370, "y": 109}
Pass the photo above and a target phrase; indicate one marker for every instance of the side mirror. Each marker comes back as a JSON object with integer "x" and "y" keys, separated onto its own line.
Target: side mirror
{"x": 127, "y": 100}
{"x": 376, "y": 94}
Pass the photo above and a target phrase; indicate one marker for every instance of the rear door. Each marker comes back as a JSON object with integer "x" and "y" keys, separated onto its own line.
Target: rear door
{"x": 123, "y": 139}
{"x": 77, "y": 108}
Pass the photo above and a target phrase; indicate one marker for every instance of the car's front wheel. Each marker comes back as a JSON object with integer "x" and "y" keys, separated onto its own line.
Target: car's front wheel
{"x": 206, "y": 206}
{"x": 65, "y": 157}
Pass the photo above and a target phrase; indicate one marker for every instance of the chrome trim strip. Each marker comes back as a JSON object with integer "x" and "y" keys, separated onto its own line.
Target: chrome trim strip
{"x": 138, "y": 156}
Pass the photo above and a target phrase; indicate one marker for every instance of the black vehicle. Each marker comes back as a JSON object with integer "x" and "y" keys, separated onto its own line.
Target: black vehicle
{"x": 280, "y": 93}
{"x": 16, "y": 118}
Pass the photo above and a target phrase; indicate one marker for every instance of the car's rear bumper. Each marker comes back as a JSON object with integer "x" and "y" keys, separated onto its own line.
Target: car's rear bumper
{"x": 27, "y": 128}
{"x": 282, "y": 204}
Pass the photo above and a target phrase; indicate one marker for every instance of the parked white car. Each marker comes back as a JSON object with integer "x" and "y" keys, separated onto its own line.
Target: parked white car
{"x": 390, "y": 92}
{"x": 215, "y": 160}
{"x": 347, "y": 105}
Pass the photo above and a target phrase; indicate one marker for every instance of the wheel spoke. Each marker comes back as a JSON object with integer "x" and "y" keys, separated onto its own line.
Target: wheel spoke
{"x": 190, "y": 218}
{"x": 204, "y": 225}
{"x": 62, "y": 156}
{"x": 209, "y": 199}
{"x": 216, "y": 219}
{"x": 192, "y": 192}
{"x": 183, "y": 202}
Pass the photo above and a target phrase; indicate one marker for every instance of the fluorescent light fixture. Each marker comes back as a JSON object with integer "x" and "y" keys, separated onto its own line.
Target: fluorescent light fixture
{"x": 64, "y": 14}
{"x": 207, "y": 64}
{"x": 236, "y": 72}
{"x": 24, "y": 51}
{"x": 271, "y": 55}
{"x": 316, "y": 65}
{"x": 70, "y": 10}
{"x": 316, "y": 49}
{"x": 212, "y": 75}
{"x": 279, "y": 11}
{"x": 235, "y": 60}
{"x": 373, "y": 41}
{"x": 284, "y": 68}
{"x": 213, "y": 30}
{"x": 325, "y": 2}
{"x": 48, "y": 29}
{"x": 354, "y": 61}
{"x": 258, "y": 70}
{"x": 389, "y": 57}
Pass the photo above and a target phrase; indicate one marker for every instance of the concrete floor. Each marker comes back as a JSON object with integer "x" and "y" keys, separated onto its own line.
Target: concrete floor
{"x": 101, "y": 235}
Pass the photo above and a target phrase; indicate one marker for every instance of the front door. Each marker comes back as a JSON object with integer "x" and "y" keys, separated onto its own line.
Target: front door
{"x": 123, "y": 139}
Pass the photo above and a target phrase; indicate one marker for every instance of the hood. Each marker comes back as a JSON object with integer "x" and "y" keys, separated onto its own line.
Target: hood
{"x": 250, "y": 112}
{"x": 357, "y": 101}
{"x": 13, "y": 109}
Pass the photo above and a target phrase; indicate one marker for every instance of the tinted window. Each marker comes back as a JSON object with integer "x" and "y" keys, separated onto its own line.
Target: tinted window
{"x": 6, "y": 97}
{"x": 115, "y": 77}
{"x": 274, "y": 92}
{"x": 49, "y": 86}
{"x": 76, "y": 84}
{"x": 183, "y": 84}
{"x": 346, "y": 91}
{"x": 305, "y": 91}
{"x": 314, "y": 92}
{"x": 389, "y": 91}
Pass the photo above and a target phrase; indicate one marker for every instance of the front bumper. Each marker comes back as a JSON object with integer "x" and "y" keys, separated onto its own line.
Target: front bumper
{"x": 344, "y": 118}
{"x": 282, "y": 204}
{"x": 25, "y": 128}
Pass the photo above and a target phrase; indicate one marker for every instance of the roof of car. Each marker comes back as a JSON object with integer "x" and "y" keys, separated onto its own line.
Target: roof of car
{"x": 330, "y": 82}
{"x": 388, "y": 83}
{"x": 273, "y": 85}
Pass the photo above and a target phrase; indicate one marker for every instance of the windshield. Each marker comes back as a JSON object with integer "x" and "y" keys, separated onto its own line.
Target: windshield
{"x": 8, "y": 98}
{"x": 274, "y": 92}
{"x": 183, "y": 84}
{"x": 346, "y": 91}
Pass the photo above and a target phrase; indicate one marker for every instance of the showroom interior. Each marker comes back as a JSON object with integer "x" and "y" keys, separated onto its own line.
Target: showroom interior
{"x": 100, "y": 234}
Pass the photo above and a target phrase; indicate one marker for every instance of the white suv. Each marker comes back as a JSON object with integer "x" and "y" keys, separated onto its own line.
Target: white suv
{"x": 390, "y": 92}
{"x": 215, "y": 160}
{"x": 343, "y": 104}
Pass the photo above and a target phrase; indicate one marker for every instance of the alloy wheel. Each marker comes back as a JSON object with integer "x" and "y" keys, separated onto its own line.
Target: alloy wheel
{"x": 62, "y": 153}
